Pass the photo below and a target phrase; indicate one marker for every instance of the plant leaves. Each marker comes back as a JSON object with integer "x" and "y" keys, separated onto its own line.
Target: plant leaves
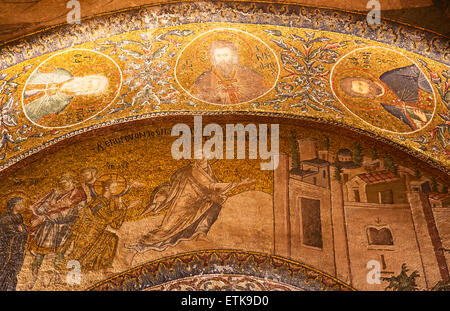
{"x": 160, "y": 52}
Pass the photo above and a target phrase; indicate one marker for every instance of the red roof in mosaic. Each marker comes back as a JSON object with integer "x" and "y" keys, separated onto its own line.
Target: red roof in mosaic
{"x": 378, "y": 177}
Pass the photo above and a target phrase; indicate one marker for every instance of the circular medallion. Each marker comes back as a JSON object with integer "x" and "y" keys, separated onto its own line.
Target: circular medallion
{"x": 385, "y": 89}
{"x": 227, "y": 67}
{"x": 70, "y": 87}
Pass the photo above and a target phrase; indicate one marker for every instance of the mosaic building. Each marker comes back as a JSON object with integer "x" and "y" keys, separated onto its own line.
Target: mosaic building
{"x": 321, "y": 160}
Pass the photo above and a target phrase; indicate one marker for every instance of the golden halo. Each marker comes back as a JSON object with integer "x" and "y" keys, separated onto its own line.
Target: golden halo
{"x": 206, "y": 39}
{"x": 359, "y": 103}
{"x": 15, "y": 193}
{"x": 121, "y": 182}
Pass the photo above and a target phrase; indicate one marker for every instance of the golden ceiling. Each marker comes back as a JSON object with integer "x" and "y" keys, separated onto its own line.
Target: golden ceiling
{"x": 24, "y": 17}
{"x": 103, "y": 95}
{"x": 295, "y": 40}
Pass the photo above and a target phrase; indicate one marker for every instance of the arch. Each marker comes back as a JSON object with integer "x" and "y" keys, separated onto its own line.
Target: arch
{"x": 209, "y": 262}
{"x": 358, "y": 112}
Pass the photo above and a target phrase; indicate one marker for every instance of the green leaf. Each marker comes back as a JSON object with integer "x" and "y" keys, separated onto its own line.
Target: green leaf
{"x": 315, "y": 52}
{"x": 298, "y": 53}
{"x": 160, "y": 52}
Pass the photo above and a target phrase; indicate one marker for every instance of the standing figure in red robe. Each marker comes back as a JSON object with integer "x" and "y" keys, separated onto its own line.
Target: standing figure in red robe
{"x": 52, "y": 221}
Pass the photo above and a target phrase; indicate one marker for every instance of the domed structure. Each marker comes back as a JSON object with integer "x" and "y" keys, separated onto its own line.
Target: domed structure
{"x": 345, "y": 155}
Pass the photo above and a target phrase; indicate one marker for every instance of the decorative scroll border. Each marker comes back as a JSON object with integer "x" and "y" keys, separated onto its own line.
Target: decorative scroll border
{"x": 429, "y": 44}
{"x": 224, "y": 262}
{"x": 154, "y": 115}
{"x": 420, "y": 41}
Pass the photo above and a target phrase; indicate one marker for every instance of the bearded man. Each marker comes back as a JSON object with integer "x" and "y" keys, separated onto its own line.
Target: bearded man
{"x": 227, "y": 82}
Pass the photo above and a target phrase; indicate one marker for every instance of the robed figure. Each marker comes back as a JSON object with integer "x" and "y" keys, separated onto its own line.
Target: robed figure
{"x": 95, "y": 245}
{"x": 50, "y": 90}
{"x": 52, "y": 220}
{"x": 45, "y": 90}
{"x": 13, "y": 237}
{"x": 412, "y": 88}
{"x": 404, "y": 92}
{"x": 192, "y": 199}
{"x": 228, "y": 82}
{"x": 53, "y": 216}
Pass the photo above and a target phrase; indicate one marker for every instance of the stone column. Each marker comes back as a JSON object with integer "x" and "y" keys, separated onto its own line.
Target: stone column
{"x": 282, "y": 230}
{"x": 341, "y": 252}
{"x": 430, "y": 245}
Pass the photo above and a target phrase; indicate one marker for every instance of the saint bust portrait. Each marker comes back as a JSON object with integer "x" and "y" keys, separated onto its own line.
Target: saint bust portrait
{"x": 227, "y": 82}
{"x": 361, "y": 87}
{"x": 402, "y": 92}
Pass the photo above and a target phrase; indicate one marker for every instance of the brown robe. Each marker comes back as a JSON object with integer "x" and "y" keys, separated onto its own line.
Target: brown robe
{"x": 94, "y": 246}
{"x": 243, "y": 85}
{"x": 51, "y": 223}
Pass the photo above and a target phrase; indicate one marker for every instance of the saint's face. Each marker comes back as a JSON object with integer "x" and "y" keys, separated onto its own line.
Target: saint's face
{"x": 66, "y": 185}
{"x": 88, "y": 176}
{"x": 19, "y": 207}
{"x": 361, "y": 87}
{"x": 223, "y": 56}
{"x": 113, "y": 187}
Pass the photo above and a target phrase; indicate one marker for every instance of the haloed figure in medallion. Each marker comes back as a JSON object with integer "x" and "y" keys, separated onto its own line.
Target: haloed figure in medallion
{"x": 227, "y": 82}
{"x": 404, "y": 93}
{"x": 51, "y": 90}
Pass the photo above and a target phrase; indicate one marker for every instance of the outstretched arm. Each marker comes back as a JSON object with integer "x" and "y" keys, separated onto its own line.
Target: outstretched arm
{"x": 226, "y": 187}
